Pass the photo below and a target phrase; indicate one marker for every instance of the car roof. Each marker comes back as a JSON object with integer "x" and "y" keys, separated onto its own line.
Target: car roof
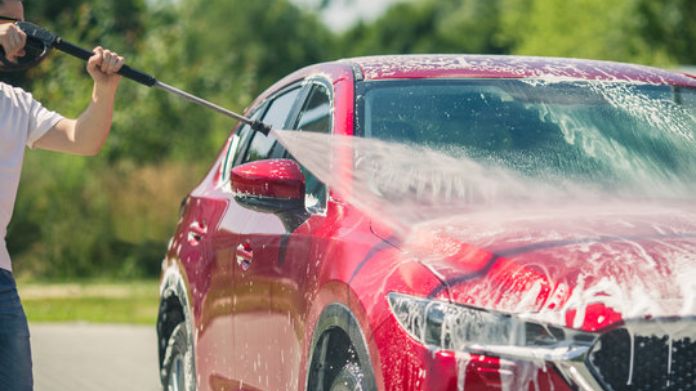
{"x": 492, "y": 66}
{"x": 443, "y": 66}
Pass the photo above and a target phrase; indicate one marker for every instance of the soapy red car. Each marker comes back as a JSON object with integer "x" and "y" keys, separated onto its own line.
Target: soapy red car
{"x": 559, "y": 254}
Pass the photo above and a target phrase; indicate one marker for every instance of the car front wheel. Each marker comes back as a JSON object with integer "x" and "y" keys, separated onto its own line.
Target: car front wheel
{"x": 178, "y": 362}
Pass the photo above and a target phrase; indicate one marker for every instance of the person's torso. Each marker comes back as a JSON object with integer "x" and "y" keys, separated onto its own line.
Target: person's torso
{"x": 13, "y": 136}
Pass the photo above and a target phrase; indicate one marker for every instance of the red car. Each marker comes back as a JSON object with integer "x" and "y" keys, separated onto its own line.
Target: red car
{"x": 443, "y": 223}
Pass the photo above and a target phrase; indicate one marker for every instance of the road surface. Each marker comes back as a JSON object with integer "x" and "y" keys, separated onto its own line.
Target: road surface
{"x": 83, "y": 357}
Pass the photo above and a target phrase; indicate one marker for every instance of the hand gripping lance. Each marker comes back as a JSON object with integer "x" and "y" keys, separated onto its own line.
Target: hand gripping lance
{"x": 40, "y": 42}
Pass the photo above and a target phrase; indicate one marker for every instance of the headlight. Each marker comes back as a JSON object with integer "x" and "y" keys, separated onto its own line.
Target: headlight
{"x": 448, "y": 326}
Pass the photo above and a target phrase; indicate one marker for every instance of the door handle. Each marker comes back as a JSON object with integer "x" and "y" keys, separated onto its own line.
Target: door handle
{"x": 245, "y": 256}
{"x": 197, "y": 230}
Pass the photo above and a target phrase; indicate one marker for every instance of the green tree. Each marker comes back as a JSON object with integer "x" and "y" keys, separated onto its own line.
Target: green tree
{"x": 429, "y": 26}
{"x": 642, "y": 31}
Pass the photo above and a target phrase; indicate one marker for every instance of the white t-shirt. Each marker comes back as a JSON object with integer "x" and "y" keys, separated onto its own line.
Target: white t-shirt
{"x": 23, "y": 121}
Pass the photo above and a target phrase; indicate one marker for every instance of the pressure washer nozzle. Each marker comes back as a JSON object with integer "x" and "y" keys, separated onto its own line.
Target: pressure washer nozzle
{"x": 261, "y": 127}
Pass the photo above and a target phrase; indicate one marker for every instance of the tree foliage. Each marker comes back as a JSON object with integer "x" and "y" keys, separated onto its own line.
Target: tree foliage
{"x": 430, "y": 26}
{"x": 642, "y": 31}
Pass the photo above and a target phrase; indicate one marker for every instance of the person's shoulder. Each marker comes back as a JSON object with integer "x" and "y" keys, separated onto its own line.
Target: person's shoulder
{"x": 5, "y": 88}
{"x": 7, "y": 91}
{"x": 16, "y": 94}
{"x": 10, "y": 89}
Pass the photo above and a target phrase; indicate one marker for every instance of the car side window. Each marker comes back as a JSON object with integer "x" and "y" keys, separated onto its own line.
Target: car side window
{"x": 265, "y": 147}
{"x": 315, "y": 116}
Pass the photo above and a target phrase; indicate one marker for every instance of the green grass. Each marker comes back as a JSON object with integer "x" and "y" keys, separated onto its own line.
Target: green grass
{"x": 92, "y": 302}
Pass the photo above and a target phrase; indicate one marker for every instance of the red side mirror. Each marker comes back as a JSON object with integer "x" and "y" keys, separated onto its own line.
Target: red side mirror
{"x": 270, "y": 185}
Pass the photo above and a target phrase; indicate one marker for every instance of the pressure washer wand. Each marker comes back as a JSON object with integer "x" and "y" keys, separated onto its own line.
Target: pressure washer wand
{"x": 203, "y": 102}
{"x": 50, "y": 40}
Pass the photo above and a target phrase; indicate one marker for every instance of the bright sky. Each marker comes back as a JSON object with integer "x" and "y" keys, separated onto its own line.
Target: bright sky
{"x": 344, "y": 13}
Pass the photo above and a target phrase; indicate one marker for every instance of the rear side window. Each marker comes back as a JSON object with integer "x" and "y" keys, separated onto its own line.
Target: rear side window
{"x": 265, "y": 147}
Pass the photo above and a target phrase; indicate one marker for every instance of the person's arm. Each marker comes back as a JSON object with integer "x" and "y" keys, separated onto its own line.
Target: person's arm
{"x": 86, "y": 134}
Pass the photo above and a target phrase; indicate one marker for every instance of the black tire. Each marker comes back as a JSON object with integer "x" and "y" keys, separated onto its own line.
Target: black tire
{"x": 350, "y": 378}
{"x": 178, "y": 362}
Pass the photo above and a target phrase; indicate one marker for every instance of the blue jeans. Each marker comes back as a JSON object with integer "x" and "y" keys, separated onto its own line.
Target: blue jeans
{"x": 15, "y": 351}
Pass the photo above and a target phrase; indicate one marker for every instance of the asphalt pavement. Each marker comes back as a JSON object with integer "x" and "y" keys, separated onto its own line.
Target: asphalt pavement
{"x": 84, "y": 357}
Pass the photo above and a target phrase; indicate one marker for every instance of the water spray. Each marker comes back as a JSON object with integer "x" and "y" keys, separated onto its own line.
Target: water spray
{"x": 40, "y": 42}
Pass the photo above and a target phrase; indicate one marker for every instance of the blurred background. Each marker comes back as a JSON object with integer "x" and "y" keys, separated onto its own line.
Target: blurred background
{"x": 109, "y": 218}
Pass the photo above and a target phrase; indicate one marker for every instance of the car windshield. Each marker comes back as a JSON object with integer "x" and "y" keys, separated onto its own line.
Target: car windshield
{"x": 606, "y": 133}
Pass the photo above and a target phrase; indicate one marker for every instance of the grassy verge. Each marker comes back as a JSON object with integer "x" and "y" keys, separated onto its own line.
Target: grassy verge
{"x": 93, "y": 302}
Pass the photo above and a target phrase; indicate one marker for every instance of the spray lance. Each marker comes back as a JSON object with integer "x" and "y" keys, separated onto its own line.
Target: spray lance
{"x": 40, "y": 42}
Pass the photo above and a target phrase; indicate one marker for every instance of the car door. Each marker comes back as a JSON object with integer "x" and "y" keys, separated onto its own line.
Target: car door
{"x": 252, "y": 243}
{"x": 272, "y": 258}
{"x": 212, "y": 273}
{"x": 299, "y": 247}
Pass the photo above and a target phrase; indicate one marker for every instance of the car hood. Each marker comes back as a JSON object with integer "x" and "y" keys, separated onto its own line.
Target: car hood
{"x": 588, "y": 268}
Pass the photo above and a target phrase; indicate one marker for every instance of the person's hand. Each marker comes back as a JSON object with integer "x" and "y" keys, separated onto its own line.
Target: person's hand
{"x": 12, "y": 39}
{"x": 103, "y": 65}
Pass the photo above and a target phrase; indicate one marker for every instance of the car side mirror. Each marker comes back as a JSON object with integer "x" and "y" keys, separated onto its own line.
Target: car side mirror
{"x": 270, "y": 186}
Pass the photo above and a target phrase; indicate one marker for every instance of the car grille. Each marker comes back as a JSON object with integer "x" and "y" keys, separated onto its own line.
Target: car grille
{"x": 653, "y": 370}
